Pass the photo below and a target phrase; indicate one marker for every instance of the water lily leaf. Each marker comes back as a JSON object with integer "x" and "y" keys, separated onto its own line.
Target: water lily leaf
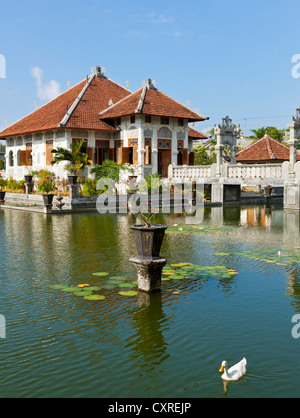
{"x": 222, "y": 254}
{"x": 70, "y": 289}
{"x": 101, "y": 273}
{"x": 108, "y": 286}
{"x": 115, "y": 282}
{"x": 126, "y": 285}
{"x": 83, "y": 293}
{"x": 94, "y": 297}
{"x": 94, "y": 288}
{"x": 128, "y": 293}
{"x": 118, "y": 278}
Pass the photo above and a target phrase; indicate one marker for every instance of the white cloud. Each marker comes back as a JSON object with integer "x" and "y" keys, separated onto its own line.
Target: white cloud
{"x": 45, "y": 91}
{"x": 160, "y": 19}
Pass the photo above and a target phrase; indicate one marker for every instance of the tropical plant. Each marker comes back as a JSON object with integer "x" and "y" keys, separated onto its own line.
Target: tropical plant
{"x": 110, "y": 169}
{"x": 46, "y": 181}
{"x": 78, "y": 160}
{"x": 3, "y": 183}
{"x": 148, "y": 217}
{"x": 13, "y": 185}
{"x": 272, "y": 131}
{"x": 152, "y": 182}
{"x": 89, "y": 188}
{"x": 202, "y": 157}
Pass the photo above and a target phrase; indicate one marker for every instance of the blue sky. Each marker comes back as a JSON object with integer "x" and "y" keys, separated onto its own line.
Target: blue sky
{"x": 231, "y": 57}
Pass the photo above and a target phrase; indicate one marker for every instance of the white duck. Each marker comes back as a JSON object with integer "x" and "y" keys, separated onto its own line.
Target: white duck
{"x": 235, "y": 372}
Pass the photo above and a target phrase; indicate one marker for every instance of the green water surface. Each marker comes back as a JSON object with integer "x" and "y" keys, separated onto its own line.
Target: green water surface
{"x": 169, "y": 344}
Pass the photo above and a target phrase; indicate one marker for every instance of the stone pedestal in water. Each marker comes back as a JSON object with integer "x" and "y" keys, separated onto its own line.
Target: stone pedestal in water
{"x": 149, "y": 264}
{"x": 149, "y": 273}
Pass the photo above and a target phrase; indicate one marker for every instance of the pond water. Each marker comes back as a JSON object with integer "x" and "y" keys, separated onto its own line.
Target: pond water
{"x": 169, "y": 344}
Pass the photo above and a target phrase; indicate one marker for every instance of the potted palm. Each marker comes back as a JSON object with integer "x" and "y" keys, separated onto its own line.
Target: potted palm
{"x": 3, "y": 183}
{"x": 77, "y": 160}
{"x": 46, "y": 184}
{"x": 148, "y": 237}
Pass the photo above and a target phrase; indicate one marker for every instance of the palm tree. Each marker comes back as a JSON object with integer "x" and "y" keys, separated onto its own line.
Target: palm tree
{"x": 78, "y": 160}
{"x": 258, "y": 133}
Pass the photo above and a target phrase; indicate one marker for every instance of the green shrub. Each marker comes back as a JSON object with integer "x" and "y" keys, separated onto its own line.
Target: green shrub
{"x": 89, "y": 188}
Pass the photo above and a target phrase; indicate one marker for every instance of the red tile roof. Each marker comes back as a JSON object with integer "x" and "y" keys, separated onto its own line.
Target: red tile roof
{"x": 196, "y": 134}
{"x": 263, "y": 150}
{"x": 79, "y": 108}
{"x": 152, "y": 102}
{"x": 96, "y": 97}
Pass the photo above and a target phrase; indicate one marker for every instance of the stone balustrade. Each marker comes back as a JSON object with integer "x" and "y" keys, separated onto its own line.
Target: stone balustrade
{"x": 244, "y": 173}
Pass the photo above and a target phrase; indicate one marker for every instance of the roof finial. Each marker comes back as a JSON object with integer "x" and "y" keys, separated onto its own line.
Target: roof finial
{"x": 99, "y": 73}
{"x": 149, "y": 84}
{"x": 266, "y": 133}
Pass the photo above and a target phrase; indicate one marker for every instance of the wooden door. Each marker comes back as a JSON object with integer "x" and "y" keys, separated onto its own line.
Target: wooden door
{"x": 90, "y": 153}
{"x": 164, "y": 160}
{"x": 133, "y": 144}
{"x": 22, "y": 157}
{"x": 125, "y": 155}
{"x": 191, "y": 158}
{"x": 185, "y": 156}
{"x": 29, "y": 153}
{"x": 49, "y": 155}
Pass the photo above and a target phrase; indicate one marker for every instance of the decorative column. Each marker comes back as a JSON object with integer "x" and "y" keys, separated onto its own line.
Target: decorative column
{"x": 174, "y": 150}
{"x": 227, "y": 134}
{"x": 293, "y": 142}
{"x": 154, "y": 150}
{"x": 141, "y": 151}
{"x": 292, "y": 186}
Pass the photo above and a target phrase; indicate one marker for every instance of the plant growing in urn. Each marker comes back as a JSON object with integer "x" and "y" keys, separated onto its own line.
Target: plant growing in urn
{"x": 45, "y": 185}
{"x": 148, "y": 236}
{"x": 77, "y": 160}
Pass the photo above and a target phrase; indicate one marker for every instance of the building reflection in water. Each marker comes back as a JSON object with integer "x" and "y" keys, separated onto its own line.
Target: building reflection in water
{"x": 293, "y": 289}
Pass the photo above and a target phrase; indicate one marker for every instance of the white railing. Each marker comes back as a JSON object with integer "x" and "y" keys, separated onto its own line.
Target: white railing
{"x": 226, "y": 171}
{"x": 255, "y": 171}
{"x": 202, "y": 171}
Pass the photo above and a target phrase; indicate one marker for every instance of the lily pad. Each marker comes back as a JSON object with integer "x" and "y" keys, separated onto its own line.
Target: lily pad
{"x": 94, "y": 288}
{"x": 70, "y": 289}
{"x": 94, "y": 297}
{"x": 101, "y": 273}
{"x": 108, "y": 286}
{"x": 126, "y": 285}
{"x": 128, "y": 293}
{"x": 83, "y": 293}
